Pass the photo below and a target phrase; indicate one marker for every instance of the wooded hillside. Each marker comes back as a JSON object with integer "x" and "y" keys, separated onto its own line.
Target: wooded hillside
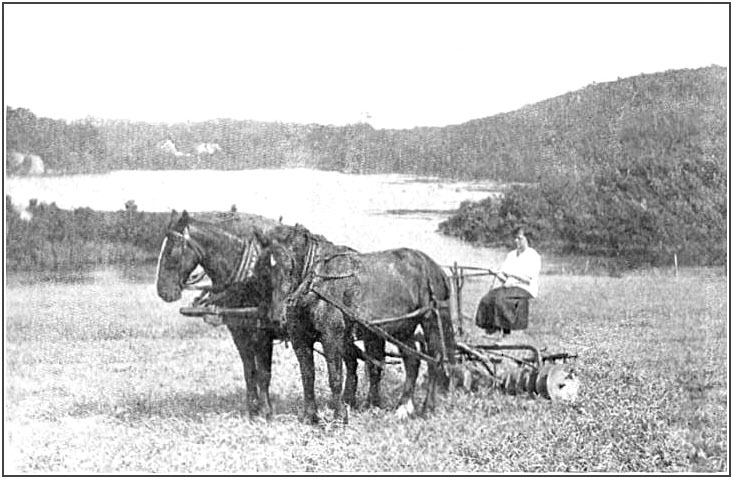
{"x": 575, "y": 131}
{"x": 643, "y": 179}
{"x": 634, "y": 169}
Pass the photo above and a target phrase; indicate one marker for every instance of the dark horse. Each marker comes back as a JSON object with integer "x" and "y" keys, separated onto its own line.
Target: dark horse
{"x": 227, "y": 255}
{"x": 317, "y": 289}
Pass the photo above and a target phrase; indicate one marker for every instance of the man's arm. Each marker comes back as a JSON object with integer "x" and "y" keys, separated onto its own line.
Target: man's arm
{"x": 529, "y": 270}
{"x": 503, "y": 277}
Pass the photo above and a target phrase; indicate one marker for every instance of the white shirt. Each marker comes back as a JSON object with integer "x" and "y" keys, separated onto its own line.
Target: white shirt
{"x": 528, "y": 265}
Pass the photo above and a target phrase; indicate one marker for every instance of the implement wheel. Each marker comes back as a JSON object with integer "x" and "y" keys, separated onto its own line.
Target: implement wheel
{"x": 557, "y": 382}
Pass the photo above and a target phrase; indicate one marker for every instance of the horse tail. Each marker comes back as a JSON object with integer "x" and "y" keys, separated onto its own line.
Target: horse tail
{"x": 440, "y": 292}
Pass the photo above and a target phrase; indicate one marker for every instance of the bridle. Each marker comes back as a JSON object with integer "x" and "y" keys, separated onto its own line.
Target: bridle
{"x": 185, "y": 240}
{"x": 250, "y": 251}
{"x": 295, "y": 280}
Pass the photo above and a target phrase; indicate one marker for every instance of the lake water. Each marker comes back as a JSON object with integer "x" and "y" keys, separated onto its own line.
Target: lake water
{"x": 366, "y": 212}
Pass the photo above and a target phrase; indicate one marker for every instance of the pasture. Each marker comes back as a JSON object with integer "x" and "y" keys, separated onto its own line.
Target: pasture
{"x": 102, "y": 377}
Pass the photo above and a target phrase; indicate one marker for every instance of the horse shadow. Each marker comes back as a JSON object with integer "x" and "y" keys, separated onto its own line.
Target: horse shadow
{"x": 185, "y": 405}
{"x": 198, "y": 406}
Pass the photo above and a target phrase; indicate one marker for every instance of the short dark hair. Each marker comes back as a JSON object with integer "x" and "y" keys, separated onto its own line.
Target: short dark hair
{"x": 523, "y": 230}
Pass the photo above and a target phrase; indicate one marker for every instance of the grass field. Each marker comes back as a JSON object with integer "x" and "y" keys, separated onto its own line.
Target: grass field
{"x": 104, "y": 378}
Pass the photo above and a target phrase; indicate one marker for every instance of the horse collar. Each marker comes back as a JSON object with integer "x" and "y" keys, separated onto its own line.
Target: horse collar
{"x": 246, "y": 263}
{"x": 310, "y": 257}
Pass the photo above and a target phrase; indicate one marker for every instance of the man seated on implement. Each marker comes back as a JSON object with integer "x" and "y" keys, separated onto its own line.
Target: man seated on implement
{"x": 506, "y": 307}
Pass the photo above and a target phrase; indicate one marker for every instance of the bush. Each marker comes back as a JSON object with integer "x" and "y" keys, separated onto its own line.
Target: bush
{"x": 662, "y": 193}
{"x": 53, "y": 238}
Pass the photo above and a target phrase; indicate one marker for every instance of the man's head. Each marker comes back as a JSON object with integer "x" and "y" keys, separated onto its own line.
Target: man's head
{"x": 520, "y": 238}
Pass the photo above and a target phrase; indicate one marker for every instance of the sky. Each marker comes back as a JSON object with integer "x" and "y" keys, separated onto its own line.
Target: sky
{"x": 393, "y": 66}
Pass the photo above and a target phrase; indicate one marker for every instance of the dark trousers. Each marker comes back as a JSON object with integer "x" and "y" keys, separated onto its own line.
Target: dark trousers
{"x": 503, "y": 309}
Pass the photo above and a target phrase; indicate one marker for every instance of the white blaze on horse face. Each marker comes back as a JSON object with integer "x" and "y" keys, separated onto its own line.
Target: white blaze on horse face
{"x": 160, "y": 259}
{"x": 186, "y": 234}
{"x": 272, "y": 261}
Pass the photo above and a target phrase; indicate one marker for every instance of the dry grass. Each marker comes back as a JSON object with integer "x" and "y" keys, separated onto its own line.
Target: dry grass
{"x": 105, "y": 378}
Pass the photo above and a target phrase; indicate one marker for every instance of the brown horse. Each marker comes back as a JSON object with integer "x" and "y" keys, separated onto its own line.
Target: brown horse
{"x": 227, "y": 252}
{"x": 318, "y": 299}
{"x": 311, "y": 248}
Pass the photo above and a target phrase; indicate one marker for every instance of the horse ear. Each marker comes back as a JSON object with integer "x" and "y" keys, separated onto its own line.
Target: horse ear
{"x": 172, "y": 220}
{"x": 280, "y": 233}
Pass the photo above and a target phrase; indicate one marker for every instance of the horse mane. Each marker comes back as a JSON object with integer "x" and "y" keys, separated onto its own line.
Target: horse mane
{"x": 299, "y": 229}
{"x": 218, "y": 228}
{"x": 290, "y": 235}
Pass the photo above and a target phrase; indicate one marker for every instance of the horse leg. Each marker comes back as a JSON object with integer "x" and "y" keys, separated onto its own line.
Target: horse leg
{"x": 412, "y": 368}
{"x": 263, "y": 358}
{"x": 303, "y": 347}
{"x": 375, "y": 350}
{"x": 333, "y": 339}
{"x": 246, "y": 353}
{"x": 352, "y": 379}
{"x": 436, "y": 373}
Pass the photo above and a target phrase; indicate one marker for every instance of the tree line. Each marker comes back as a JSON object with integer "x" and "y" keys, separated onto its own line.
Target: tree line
{"x": 44, "y": 237}
{"x": 579, "y": 130}
{"x": 634, "y": 169}
{"x": 661, "y": 194}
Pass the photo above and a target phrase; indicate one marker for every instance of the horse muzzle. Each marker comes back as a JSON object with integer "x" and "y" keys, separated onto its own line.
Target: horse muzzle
{"x": 169, "y": 294}
{"x": 278, "y": 314}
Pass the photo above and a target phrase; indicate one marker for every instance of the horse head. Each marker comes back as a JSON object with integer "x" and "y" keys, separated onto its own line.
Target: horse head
{"x": 179, "y": 256}
{"x": 223, "y": 254}
{"x": 285, "y": 265}
{"x": 276, "y": 270}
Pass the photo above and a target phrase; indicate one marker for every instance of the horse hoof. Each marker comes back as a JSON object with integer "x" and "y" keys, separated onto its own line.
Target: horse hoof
{"x": 345, "y": 415}
{"x": 405, "y": 411}
{"x": 375, "y": 403}
{"x": 311, "y": 419}
{"x": 258, "y": 420}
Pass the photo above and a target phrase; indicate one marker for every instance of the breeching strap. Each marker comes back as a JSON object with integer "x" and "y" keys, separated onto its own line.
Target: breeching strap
{"x": 375, "y": 330}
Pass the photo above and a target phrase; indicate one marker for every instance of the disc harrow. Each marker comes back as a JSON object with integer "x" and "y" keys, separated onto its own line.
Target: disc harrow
{"x": 549, "y": 376}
